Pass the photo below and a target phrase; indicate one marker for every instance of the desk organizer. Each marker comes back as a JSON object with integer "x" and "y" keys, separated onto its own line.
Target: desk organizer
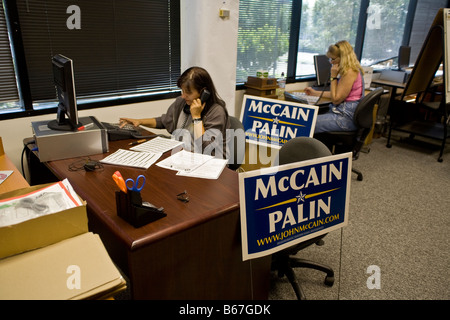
{"x": 137, "y": 213}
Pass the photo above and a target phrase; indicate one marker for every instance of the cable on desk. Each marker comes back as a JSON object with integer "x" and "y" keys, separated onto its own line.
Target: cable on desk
{"x": 23, "y": 151}
{"x": 85, "y": 164}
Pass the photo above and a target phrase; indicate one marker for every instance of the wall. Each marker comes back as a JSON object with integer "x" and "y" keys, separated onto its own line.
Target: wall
{"x": 209, "y": 41}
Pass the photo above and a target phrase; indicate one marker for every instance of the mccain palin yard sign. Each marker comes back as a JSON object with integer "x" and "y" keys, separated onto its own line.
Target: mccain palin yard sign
{"x": 273, "y": 122}
{"x": 291, "y": 203}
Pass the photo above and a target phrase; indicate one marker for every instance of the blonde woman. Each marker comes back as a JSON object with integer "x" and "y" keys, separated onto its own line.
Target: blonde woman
{"x": 346, "y": 89}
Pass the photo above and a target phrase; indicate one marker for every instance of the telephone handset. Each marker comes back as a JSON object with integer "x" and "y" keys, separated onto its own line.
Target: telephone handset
{"x": 203, "y": 97}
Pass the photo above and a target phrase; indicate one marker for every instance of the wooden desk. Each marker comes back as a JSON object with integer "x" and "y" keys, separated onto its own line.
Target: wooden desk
{"x": 323, "y": 103}
{"x": 193, "y": 253}
{"x": 15, "y": 180}
{"x": 392, "y": 85}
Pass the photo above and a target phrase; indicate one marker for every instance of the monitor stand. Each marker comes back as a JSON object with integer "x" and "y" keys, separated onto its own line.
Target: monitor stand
{"x": 62, "y": 123}
{"x": 65, "y": 126}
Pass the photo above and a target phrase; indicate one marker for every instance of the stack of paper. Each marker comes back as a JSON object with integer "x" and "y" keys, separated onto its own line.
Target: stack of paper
{"x": 157, "y": 145}
{"x": 194, "y": 165}
{"x": 184, "y": 162}
{"x": 134, "y": 159}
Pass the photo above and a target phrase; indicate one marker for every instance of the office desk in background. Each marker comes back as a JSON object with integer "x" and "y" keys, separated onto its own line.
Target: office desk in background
{"x": 394, "y": 86}
{"x": 193, "y": 253}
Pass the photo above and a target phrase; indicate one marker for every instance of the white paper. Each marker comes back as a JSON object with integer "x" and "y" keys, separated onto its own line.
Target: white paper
{"x": 211, "y": 169}
{"x": 157, "y": 145}
{"x": 134, "y": 159}
{"x": 184, "y": 161}
{"x": 5, "y": 174}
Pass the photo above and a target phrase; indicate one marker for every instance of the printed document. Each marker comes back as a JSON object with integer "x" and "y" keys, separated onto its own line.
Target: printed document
{"x": 157, "y": 145}
{"x": 184, "y": 161}
{"x": 5, "y": 174}
{"x": 54, "y": 198}
{"x": 195, "y": 165}
{"x": 134, "y": 159}
{"x": 211, "y": 169}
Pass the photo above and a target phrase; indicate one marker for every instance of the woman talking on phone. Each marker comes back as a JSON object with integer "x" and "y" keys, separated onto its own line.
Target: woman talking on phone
{"x": 199, "y": 112}
{"x": 346, "y": 89}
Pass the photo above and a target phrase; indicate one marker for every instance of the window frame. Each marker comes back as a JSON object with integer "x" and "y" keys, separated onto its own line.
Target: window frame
{"x": 291, "y": 76}
{"x": 23, "y": 82}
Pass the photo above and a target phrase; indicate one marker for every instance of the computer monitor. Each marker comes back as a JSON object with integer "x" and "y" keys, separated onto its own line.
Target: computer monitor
{"x": 67, "y": 114}
{"x": 322, "y": 66}
{"x": 404, "y": 53}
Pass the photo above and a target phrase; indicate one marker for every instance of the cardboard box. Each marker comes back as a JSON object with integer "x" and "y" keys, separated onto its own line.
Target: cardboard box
{"x": 267, "y": 93}
{"x": 261, "y": 83}
{"x": 56, "y": 145}
{"x": 42, "y": 231}
{"x": 55, "y": 257}
{"x": 75, "y": 268}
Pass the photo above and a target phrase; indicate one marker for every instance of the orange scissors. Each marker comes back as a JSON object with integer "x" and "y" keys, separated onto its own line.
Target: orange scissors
{"x": 119, "y": 181}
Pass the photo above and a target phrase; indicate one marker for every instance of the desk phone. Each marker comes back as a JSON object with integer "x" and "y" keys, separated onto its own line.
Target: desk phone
{"x": 116, "y": 133}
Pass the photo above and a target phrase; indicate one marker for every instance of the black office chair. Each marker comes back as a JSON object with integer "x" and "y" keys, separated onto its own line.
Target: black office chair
{"x": 236, "y": 144}
{"x": 346, "y": 141}
{"x": 299, "y": 149}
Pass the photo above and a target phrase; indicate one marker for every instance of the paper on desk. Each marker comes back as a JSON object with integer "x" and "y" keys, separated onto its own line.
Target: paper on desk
{"x": 134, "y": 159}
{"x": 211, "y": 169}
{"x": 184, "y": 161}
{"x": 5, "y": 174}
{"x": 54, "y": 198}
{"x": 157, "y": 145}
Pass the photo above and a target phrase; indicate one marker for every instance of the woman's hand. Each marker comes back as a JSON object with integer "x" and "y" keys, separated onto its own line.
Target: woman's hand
{"x": 334, "y": 70}
{"x": 124, "y": 121}
{"x": 197, "y": 108}
{"x": 311, "y": 92}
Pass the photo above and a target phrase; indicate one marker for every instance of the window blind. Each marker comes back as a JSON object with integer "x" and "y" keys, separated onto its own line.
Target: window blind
{"x": 120, "y": 47}
{"x": 8, "y": 87}
{"x": 263, "y": 37}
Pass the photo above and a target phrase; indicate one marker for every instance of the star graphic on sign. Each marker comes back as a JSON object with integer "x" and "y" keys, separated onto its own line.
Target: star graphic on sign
{"x": 276, "y": 120}
{"x": 301, "y": 197}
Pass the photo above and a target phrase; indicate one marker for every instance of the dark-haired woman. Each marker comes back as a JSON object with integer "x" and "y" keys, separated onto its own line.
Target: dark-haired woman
{"x": 205, "y": 122}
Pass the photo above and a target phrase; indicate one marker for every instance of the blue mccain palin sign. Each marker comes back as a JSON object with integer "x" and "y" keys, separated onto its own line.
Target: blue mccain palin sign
{"x": 273, "y": 122}
{"x": 288, "y": 204}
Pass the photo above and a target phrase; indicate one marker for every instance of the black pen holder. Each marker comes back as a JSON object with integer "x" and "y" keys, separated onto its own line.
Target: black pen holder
{"x": 131, "y": 209}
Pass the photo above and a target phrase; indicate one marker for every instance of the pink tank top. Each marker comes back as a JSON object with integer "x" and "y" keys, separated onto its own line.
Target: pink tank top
{"x": 356, "y": 91}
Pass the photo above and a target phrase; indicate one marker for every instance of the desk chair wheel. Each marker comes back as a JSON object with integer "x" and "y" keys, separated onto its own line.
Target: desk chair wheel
{"x": 359, "y": 173}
